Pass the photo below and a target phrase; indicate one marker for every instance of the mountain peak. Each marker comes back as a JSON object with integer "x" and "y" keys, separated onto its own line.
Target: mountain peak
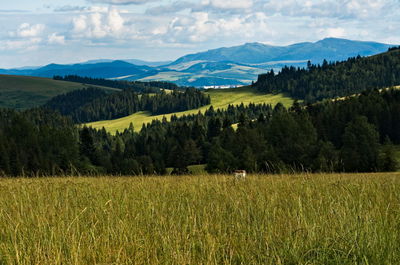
{"x": 253, "y": 44}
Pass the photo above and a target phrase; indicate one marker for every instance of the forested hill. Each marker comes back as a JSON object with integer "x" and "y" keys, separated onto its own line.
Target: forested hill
{"x": 336, "y": 79}
{"x": 93, "y": 104}
{"x": 147, "y": 87}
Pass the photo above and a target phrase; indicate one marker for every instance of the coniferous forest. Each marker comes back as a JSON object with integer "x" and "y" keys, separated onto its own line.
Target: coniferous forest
{"x": 93, "y": 104}
{"x": 137, "y": 86}
{"x": 335, "y": 79}
{"x": 354, "y": 135}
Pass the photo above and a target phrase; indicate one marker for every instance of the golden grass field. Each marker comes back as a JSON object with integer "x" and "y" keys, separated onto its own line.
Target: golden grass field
{"x": 220, "y": 99}
{"x": 207, "y": 219}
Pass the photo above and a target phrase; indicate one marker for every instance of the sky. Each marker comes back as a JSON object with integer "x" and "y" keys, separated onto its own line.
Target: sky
{"x": 34, "y": 33}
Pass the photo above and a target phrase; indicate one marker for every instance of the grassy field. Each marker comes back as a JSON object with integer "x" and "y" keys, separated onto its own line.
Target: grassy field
{"x": 220, "y": 99}
{"x": 23, "y": 92}
{"x": 288, "y": 219}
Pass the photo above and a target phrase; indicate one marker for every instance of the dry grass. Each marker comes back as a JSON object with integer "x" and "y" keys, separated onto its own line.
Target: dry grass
{"x": 305, "y": 219}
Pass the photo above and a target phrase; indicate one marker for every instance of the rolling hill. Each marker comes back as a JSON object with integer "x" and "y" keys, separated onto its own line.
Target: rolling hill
{"x": 220, "y": 99}
{"x": 239, "y": 65}
{"x": 23, "y": 92}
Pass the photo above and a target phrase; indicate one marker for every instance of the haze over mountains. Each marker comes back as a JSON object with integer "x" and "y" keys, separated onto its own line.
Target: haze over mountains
{"x": 237, "y": 65}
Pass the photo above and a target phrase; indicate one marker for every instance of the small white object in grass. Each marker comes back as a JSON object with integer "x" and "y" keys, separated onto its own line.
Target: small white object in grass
{"x": 240, "y": 174}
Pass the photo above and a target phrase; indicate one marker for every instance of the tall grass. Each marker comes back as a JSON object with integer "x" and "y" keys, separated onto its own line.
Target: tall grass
{"x": 305, "y": 219}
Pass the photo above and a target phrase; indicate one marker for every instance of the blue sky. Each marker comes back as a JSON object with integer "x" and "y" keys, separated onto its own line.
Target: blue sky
{"x": 59, "y": 31}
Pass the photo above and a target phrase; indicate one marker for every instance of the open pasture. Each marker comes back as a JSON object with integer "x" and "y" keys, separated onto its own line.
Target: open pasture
{"x": 265, "y": 219}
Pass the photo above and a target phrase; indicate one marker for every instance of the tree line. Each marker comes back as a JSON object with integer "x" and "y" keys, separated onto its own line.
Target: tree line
{"x": 94, "y": 104}
{"x": 141, "y": 87}
{"x": 352, "y": 135}
{"x": 335, "y": 79}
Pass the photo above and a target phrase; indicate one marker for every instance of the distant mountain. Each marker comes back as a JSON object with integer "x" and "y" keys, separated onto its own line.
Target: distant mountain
{"x": 242, "y": 64}
{"x": 153, "y": 64}
{"x": 224, "y": 66}
{"x": 95, "y": 70}
{"x": 331, "y": 49}
{"x": 131, "y": 61}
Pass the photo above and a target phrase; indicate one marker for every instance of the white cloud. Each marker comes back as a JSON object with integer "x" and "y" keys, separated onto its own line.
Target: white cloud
{"x": 99, "y": 25}
{"x": 79, "y": 23}
{"x": 336, "y": 32}
{"x": 229, "y": 4}
{"x": 69, "y": 8}
{"x": 201, "y": 27}
{"x": 121, "y": 2}
{"x": 22, "y": 44}
{"x": 26, "y": 30}
{"x": 330, "y": 8}
{"x": 56, "y": 39}
{"x": 115, "y": 21}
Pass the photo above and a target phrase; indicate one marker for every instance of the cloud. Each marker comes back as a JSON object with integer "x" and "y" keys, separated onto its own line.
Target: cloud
{"x": 336, "y": 32}
{"x": 229, "y": 4}
{"x": 69, "y": 8}
{"x": 26, "y": 30}
{"x": 342, "y": 9}
{"x": 20, "y": 45}
{"x": 122, "y": 2}
{"x": 209, "y": 6}
{"x": 13, "y": 11}
{"x": 56, "y": 39}
{"x": 201, "y": 27}
{"x": 172, "y": 8}
{"x": 99, "y": 25}
{"x": 115, "y": 21}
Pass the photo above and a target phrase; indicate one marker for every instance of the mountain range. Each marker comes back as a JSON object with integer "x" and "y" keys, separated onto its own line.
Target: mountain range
{"x": 232, "y": 66}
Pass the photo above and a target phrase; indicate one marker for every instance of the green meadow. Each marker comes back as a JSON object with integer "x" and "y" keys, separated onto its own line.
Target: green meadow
{"x": 220, "y": 99}
{"x": 206, "y": 219}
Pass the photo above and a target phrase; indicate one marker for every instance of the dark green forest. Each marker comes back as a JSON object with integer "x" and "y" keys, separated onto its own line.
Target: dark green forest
{"x": 137, "y": 86}
{"x": 354, "y": 135}
{"x": 93, "y": 104}
{"x": 335, "y": 79}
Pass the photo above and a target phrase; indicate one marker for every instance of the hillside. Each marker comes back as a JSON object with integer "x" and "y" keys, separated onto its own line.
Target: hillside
{"x": 335, "y": 80}
{"x": 220, "y": 99}
{"x": 23, "y": 92}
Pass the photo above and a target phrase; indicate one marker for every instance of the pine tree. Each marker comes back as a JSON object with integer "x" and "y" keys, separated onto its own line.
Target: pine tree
{"x": 360, "y": 146}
